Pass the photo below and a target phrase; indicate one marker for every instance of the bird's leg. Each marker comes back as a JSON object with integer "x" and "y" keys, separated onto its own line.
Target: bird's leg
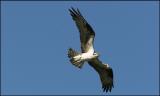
{"x": 77, "y": 58}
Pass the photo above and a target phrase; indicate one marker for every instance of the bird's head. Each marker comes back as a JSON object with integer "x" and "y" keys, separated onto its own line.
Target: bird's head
{"x": 96, "y": 54}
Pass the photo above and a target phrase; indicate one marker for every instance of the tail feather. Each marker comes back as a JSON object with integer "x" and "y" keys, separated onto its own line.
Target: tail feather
{"x": 72, "y": 53}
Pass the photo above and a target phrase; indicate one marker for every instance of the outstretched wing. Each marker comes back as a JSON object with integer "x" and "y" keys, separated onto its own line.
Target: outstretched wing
{"x": 106, "y": 74}
{"x": 86, "y": 32}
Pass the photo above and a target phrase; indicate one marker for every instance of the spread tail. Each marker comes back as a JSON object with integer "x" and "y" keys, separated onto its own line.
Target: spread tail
{"x": 77, "y": 62}
{"x": 72, "y": 53}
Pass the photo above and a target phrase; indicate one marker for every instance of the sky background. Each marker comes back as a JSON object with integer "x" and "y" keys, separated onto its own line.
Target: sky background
{"x": 35, "y": 37}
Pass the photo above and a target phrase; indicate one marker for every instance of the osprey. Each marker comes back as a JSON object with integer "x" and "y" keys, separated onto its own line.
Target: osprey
{"x": 88, "y": 53}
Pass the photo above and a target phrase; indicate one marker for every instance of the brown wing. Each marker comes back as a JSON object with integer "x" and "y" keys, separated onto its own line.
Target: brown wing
{"x": 106, "y": 74}
{"x": 86, "y": 31}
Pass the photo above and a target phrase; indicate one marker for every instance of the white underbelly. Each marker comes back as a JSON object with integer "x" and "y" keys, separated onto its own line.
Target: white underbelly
{"x": 87, "y": 56}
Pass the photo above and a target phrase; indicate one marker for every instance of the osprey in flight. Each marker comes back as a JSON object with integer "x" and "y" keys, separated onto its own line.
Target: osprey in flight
{"x": 88, "y": 53}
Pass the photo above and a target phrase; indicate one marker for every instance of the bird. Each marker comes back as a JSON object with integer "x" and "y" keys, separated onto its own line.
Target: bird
{"x": 88, "y": 53}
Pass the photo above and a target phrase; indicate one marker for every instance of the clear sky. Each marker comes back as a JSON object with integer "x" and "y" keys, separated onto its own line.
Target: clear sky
{"x": 36, "y": 36}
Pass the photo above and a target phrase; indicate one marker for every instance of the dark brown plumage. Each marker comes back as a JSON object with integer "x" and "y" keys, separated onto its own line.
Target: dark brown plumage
{"x": 84, "y": 28}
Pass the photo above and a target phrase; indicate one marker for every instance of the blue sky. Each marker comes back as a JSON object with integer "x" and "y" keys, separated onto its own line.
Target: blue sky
{"x": 36, "y": 36}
